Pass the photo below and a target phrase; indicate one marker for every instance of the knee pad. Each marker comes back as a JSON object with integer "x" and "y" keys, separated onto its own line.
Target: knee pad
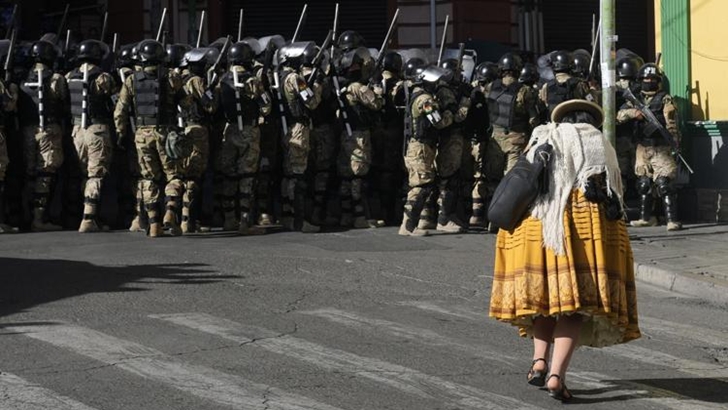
{"x": 644, "y": 185}
{"x": 664, "y": 186}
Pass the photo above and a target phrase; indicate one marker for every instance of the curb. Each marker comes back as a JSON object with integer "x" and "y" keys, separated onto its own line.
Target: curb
{"x": 712, "y": 290}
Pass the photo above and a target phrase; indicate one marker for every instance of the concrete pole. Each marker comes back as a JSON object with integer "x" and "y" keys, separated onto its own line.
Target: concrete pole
{"x": 607, "y": 57}
{"x": 433, "y": 25}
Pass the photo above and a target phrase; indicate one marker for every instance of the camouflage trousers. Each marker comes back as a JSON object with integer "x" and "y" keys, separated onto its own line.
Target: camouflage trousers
{"x": 323, "y": 161}
{"x": 237, "y": 161}
{"x": 471, "y": 175}
{"x": 355, "y": 158}
{"x": 655, "y": 162}
{"x": 94, "y": 150}
{"x": 447, "y": 162}
{"x": 156, "y": 167}
{"x": 625, "y": 155}
{"x": 4, "y": 159}
{"x": 43, "y": 152}
{"x": 501, "y": 155}
{"x": 296, "y": 149}
{"x": 193, "y": 169}
{"x": 420, "y": 163}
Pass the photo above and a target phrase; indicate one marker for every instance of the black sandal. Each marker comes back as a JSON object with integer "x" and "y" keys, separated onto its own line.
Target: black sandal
{"x": 563, "y": 394}
{"x": 537, "y": 377}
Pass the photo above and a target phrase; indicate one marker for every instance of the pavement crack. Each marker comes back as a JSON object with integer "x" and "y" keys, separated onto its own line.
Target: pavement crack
{"x": 266, "y": 397}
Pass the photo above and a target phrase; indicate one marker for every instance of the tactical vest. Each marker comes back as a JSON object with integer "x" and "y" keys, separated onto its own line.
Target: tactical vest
{"x": 557, "y": 92}
{"x": 152, "y": 106}
{"x": 646, "y": 133}
{"x": 294, "y": 109}
{"x": 477, "y": 122}
{"x": 233, "y": 106}
{"x": 502, "y": 103}
{"x": 360, "y": 117}
{"x": 421, "y": 128}
{"x": 29, "y": 100}
{"x": 98, "y": 106}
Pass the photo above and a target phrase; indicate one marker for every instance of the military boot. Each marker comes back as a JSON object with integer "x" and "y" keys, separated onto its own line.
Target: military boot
{"x": 670, "y": 202}
{"x": 40, "y": 225}
{"x": 247, "y": 230}
{"x": 155, "y": 230}
{"x": 646, "y": 217}
{"x": 446, "y": 222}
{"x": 89, "y": 225}
{"x": 265, "y": 219}
{"x": 138, "y": 224}
{"x": 409, "y": 228}
{"x": 307, "y": 227}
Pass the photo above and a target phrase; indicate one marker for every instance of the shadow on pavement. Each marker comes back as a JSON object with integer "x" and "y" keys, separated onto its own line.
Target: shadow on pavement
{"x": 25, "y": 283}
{"x": 708, "y": 390}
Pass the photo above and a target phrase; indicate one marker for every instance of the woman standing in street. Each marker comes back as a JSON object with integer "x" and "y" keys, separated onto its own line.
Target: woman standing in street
{"x": 565, "y": 274}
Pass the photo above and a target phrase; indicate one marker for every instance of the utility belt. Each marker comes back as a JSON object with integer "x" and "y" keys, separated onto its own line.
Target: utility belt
{"x": 92, "y": 120}
{"x": 518, "y": 128}
{"x": 150, "y": 122}
{"x": 652, "y": 142}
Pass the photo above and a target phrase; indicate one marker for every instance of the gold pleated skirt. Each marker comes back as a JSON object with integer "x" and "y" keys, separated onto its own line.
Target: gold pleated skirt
{"x": 595, "y": 277}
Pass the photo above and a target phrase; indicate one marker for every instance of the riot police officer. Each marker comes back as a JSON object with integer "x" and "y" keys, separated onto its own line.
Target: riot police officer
{"x": 154, "y": 92}
{"x": 655, "y": 164}
{"x": 91, "y": 89}
{"x": 563, "y": 87}
{"x": 40, "y": 112}
{"x": 626, "y": 69}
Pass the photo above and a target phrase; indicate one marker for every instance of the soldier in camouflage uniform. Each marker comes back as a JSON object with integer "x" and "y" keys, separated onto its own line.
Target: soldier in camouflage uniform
{"x": 196, "y": 119}
{"x": 298, "y": 101}
{"x": 8, "y": 101}
{"x": 155, "y": 93}
{"x": 323, "y": 138}
{"x": 91, "y": 89}
{"x": 355, "y": 153}
{"x": 655, "y": 163}
{"x": 423, "y": 121}
{"x": 243, "y": 101}
{"x": 563, "y": 87}
{"x": 41, "y": 109}
{"x": 476, "y": 128}
{"x": 626, "y": 70}
{"x": 513, "y": 114}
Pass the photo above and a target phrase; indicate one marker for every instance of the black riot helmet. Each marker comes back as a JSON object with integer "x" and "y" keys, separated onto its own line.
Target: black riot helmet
{"x": 627, "y": 68}
{"x": 44, "y": 52}
{"x": 309, "y": 54}
{"x": 510, "y": 62}
{"x": 432, "y": 76}
{"x": 92, "y": 51}
{"x": 350, "y": 40}
{"x": 240, "y": 53}
{"x": 196, "y": 59}
{"x": 176, "y": 53}
{"x": 580, "y": 63}
{"x": 650, "y": 70}
{"x": 124, "y": 57}
{"x": 351, "y": 63}
{"x": 486, "y": 72}
{"x": 292, "y": 55}
{"x": 151, "y": 52}
{"x": 392, "y": 62}
{"x": 562, "y": 61}
{"x": 414, "y": 68}
{"x": 451, "y": 65}
{"x": 529, "y": 74}
{"x": 254, "y": 44}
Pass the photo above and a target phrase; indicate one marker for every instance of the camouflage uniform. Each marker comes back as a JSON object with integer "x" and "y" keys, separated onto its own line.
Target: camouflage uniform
{"x": 196, "y": 130}
{"x": 299, "y": 100}
{"x": 150, "y": 138}
{"x": 655, "y": 164}
{"x": 422, "y": 133}
{"x": 43, "y": 146}
{"x": 355, "y": 154}
{"x": 324, "y": 143}
{"x": 8, "y": 100}
{"x": 387, "y": 156}
{"x": 476, "y": 136}
{"x": 93, "y": 144}
{"x": 513, "y": 114}
{"x": 239, "y": 154}
{"x": 625, "y": 146}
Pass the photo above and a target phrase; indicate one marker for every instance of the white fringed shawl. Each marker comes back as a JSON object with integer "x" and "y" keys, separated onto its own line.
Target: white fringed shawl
{"x": 579, "y": 152}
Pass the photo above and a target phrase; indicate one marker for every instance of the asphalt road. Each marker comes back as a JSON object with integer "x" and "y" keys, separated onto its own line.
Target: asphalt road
{"x": 352, "y": 320}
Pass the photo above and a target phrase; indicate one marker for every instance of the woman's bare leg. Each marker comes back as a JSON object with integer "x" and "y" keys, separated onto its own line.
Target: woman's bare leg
{"x": 566, "y": 336}
{"x": 543, "y": 334}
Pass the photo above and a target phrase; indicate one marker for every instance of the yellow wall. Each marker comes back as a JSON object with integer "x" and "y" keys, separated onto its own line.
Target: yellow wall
{"x": 709, "y": 57}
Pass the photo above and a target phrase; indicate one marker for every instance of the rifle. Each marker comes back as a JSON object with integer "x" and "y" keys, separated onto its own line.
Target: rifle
{"x": 11, "y": 25}
{"x": 9, "y": 57}
{"x": 316, "y": 63}
{"x": 300, "y": 24}
{"x": 442, "y": 42}
{"x": 240, "y": 26}
{"x": 199, "y": 32}
{"x": 385, "y": 44}
{"x": 650, "y": 117}
{"x": 103, "y": 27}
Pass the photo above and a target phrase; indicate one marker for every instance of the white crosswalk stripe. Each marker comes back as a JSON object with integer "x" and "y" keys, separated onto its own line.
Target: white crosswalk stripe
{"x": 405, "y": 379}
{"x": 20, "y": 394}
{"x": 200, "y": 381}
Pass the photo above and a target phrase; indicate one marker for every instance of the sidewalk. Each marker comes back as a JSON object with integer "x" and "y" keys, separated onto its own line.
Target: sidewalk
{"x": 693, "y": 261}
